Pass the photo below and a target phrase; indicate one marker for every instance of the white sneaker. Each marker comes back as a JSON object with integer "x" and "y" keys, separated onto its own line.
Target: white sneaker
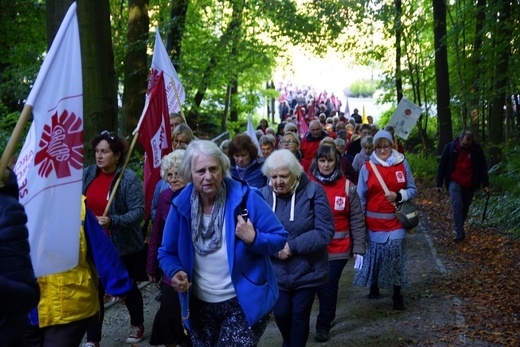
{"x": 91, "y": 344}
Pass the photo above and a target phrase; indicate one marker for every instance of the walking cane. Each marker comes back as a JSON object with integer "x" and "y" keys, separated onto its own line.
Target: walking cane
{"x": 485, "y": 209}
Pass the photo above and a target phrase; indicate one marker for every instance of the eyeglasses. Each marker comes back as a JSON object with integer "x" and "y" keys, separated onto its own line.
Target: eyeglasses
{"x": 179, "y": 142}
{"x": 290, "y": 142}
{"x": 380, "y": 148}
{"x": 110, "y": 134}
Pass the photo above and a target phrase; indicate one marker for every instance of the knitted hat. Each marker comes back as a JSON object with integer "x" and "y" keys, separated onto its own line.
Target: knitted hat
{"x": 383, "y": 134}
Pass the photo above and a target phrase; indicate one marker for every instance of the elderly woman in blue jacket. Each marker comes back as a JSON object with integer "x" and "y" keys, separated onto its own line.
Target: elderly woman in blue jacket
{"x": 303, "y": 264}
{"x": 217, "y": 260}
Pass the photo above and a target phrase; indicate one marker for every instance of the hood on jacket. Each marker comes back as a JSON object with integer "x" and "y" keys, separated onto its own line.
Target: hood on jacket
{"x": 10, "y": 186}
{"x": 394, "y": 158}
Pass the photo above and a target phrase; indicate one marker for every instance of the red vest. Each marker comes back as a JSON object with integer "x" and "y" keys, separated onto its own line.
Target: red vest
{"x": 395, "y": 179}
{"x": 340, "y": 206}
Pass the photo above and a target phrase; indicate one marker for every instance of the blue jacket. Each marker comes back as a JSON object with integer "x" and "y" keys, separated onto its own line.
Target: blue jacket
{"x": 250, "y": 267}
{"x": 253, "y": 173}
{"x": 309, "y": 235}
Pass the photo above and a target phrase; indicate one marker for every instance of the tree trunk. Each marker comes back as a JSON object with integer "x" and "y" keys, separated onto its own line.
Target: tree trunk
{"x": 99, "y": 76}
{"x": 398, "y": 33}
{"x": 474, "y": 117}
{"x": 177, "y": 25}
{"x": 442, "y": 75}
{"x": 136, "y": 67}
{"x": 503, "y": 53}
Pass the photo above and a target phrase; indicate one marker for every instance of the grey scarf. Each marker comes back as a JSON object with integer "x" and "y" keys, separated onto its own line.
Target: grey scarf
{"x": 207, "y": 240}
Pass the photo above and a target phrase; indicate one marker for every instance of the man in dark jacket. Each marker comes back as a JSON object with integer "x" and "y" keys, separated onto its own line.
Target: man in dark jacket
{"x": 463, "y": 169}
{"x": 19, "y": 291}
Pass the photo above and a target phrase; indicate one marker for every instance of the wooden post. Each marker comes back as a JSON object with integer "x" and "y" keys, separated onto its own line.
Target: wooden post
{"x": 15, "y": 136}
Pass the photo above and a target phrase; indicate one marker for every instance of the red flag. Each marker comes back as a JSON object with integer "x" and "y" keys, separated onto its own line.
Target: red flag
{"x": 303, "y": 128}
{"x": 155, "y": 137}
{"x": 312, "y": 110}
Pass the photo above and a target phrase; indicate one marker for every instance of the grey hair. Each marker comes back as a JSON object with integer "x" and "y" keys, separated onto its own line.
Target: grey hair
{"x": 288, "y": 126}
{"x": 267, "y": 139}
{"x": 282, "y": 159}
{"x": 367, "y": 141}
{"x": 340, "y": 142}
{"x": 170, "y": 160}
{"x": 270, "y": 130}
{"x": 196, "y": 148}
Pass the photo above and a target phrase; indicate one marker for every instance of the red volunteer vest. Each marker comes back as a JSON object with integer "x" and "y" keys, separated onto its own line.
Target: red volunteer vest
{"x": 395, "y": 179}
{"x": 340, "y": 207}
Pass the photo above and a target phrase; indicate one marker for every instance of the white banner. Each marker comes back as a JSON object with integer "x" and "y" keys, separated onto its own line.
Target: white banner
{"x": 50, "y": 167}
{"x": 404, "y": 118}
{"x": 161, "y": 62}
{"x": 252, "y": 134}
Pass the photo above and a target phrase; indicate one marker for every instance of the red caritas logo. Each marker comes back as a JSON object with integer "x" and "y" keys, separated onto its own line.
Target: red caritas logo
{"x": 408, "y": 112}
{"x": 61, "y": 146}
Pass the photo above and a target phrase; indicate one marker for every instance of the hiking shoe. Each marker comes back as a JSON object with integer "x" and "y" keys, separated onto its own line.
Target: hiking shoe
{"x": 135, "y": 334}
{"x": 91, "y": 344}
{"x": 374, "y": 292}
{"x": 458, "y": 238}
{"x": 322, "y": 336}
{"x": 398, "y": 302}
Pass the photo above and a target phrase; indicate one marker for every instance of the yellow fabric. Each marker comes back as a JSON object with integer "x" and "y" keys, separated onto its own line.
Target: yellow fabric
{"x": 71, "y": 295}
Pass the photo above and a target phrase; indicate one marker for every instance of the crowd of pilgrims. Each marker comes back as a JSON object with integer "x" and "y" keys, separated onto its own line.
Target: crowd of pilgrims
{"x": 239, "y": 234}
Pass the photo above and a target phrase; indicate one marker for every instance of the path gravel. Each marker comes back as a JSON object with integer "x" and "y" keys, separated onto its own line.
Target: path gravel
{"x": 360, "y": 322}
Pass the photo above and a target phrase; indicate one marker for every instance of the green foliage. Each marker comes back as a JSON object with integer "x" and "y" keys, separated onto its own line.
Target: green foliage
{"x": 424, "y": 168}
{"x": 362, "y": 89}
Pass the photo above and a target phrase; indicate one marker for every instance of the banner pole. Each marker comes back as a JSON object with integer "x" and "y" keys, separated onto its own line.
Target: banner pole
{"x": 13, "y": 140}
{"x": 116, "y": 185}
{"x": 177, "y": 97}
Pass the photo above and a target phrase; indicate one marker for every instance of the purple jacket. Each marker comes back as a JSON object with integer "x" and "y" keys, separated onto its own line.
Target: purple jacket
{"x": 163, "y": 207}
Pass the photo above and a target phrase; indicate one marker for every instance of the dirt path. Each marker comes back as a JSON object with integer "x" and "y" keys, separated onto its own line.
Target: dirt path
{"x": 360, "y": 322}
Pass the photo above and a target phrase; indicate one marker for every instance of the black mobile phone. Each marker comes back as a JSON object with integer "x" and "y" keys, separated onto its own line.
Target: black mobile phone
{"x": 244, "y": 214}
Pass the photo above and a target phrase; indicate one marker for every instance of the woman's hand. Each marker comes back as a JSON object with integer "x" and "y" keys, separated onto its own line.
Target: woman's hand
{"x": 285, "y": 253}
{"x": 391, "y": 196}
{"x": 180, "y": 282}
{"x": 104, "y": 221}
{"x": 245, "y": 231}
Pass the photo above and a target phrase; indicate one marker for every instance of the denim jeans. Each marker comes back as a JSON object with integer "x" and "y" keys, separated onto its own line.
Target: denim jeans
{"x": 292, "y": 313}
{"x": 460, "y": 202}
{"x": 328, "y": 295}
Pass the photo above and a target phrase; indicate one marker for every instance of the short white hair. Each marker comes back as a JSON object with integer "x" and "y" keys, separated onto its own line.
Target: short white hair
{"x": 173, "y": 159}
{"x": 282, "y": 158}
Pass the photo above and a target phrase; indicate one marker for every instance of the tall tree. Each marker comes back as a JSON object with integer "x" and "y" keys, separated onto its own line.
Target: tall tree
{"x": 442, "y": 77}
{"x": 99, "y": 77}
{"x": 503, "y": 36}
{"x": 398, "y": 35}
{"x": 176, "y": 32}
{"x": 136, "y": 66}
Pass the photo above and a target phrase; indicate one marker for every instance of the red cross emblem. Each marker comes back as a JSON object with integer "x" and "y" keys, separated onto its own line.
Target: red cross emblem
{"x": 61, "y": 146}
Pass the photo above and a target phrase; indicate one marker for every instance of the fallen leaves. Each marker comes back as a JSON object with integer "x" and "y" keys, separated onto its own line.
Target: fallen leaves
{"x": 483, "y": 274}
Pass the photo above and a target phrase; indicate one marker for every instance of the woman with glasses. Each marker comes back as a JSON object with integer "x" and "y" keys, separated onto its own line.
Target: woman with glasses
{"x": 291, "y": 141}
{"x": 167, "y": 326}
{"x": 122, "y": 223}
{"x": 384, "y": 265}
{"x": 182, "y": 136}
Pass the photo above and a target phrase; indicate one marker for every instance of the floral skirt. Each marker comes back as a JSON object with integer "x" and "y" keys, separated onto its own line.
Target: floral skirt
{"x": 384, "y": 264}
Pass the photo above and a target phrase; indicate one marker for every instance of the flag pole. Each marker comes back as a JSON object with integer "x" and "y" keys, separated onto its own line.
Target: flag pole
{"x": 13, "y": 140}
{"x": 177, "y": 97}
{"x": 125, "y": 164}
